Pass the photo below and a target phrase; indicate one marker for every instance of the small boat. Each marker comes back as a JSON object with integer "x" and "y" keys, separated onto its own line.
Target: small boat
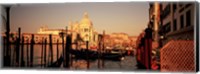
{"x": 115, "y": 54}
{"x": 84, "y": 54}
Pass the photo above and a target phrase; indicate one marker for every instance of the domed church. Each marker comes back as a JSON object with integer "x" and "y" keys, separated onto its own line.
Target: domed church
{"x": 84, "y": 31}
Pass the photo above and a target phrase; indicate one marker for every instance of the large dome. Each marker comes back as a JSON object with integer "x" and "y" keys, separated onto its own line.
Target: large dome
{"x": 85, "y": 20}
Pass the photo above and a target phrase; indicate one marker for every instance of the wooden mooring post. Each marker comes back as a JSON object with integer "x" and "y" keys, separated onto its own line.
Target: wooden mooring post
{"x": 4, "y": 46}
{"x": 22, "y": 53}
{"x": 99, "y": 54}
{"x": 18, "y": 47}
{"x": 32, "y": 50}
{"x": 67, "y": 51}
{"x": 7, "y": 58}
{"x": 63, "y": 45}
{"x": 57, "y": 45}
{"x": 42, "y": 51}
{"x": 45, "y": 50}
{"x": 103, "y": 46}
{"x": 51, "y": 47}
{"x": 87, "y": 53}
{"x": 27, "y": 53}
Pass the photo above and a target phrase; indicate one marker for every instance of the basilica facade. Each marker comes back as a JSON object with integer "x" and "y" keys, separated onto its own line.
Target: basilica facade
{"x": 84, "y": 31}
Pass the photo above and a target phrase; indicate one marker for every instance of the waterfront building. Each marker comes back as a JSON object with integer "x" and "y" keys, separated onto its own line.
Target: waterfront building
{"x": 120, "y": 40}
{"x": 172, "y": 21}
{"x": 46, "y": 30}
{"x": 178, "y": 21}
{"x": 85, "y": 31}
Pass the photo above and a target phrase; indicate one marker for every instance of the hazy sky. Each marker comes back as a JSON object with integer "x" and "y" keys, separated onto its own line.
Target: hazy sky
{"x": 130, "y": 18}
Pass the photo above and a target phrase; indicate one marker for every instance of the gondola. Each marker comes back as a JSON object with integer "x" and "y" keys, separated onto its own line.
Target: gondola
{"x": 115, "y": 54}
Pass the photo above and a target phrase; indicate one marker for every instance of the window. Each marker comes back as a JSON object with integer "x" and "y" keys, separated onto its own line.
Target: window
{"x": 187, "y": 5}
{"x": 36, "y": 38}
{"x": 180, "y": 4}
{"x": 174, "y": 25}
{"x": 94, "y": 37}
{"x": 167, "y": 28}
{"x": 86, "y": 35}
{"x": 188, "y": 18}
{"x": 174, "y": 7}
{"x": 181, "y": 7}
{"x": 182, "y": 21}
{"x": 166, "y": 11}
{"x": 86, "y": 30}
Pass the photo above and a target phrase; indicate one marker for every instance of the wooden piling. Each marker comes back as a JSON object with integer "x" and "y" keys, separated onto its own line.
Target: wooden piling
{"x": 67, "y": 51}
{"x": 18, "y": 47}
{"x": 45, "y": 50}
{"x": 13, "y": 58}
{"x": 32, "y": 51}
{"x": 4, "y": 46}
{"x": 7, "y": 58}
{"x": 27, "y": 52}
{"x": 42, "y": 51}
{"x": 51, "y": 47}
{"x": 103, "y": 47}
{"x": 57, "y": 49}
{"x": 71, "y": 58}
{"x": 63, "y": 47}
{"x": 99, "y": 54}
{"x": 22, "y": 53}
{"x": 87, "y": 53}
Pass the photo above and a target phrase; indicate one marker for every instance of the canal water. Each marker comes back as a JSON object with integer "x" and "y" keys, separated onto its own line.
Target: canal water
{"x": 37, "y": 54}
{"x": 128, "y": 63}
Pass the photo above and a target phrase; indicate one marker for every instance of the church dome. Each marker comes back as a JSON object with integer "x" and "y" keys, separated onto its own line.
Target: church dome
{"x": 85, "y": 20}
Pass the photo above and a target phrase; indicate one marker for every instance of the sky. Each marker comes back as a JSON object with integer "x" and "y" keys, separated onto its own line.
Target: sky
{"x": 126, "y": 17}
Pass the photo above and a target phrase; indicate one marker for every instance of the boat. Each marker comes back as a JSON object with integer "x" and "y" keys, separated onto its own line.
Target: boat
{"x": 115, "y": 54}
{"x": 84, "y": 54}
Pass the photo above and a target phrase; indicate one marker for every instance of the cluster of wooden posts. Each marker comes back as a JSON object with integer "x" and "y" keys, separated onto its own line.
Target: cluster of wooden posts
{"x": 21, "y": 61}
{"x": 16, "y": 55}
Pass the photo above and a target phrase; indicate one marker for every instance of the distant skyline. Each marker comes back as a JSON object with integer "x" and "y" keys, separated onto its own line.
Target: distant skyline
{"x": 126, "y": 17}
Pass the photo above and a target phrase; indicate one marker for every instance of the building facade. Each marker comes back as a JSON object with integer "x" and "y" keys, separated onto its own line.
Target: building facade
{"x": 46, "y": 30}
{"x": 85, "y": 31}
{"x": 172, "y": 21}
{"x": 178, "y": 21}
{"x": 120, "y": 40}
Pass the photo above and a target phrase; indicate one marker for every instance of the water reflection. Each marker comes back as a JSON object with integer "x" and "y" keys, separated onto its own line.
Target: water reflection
{"x": 129, "y": 62}
{"x": 37, "y": 54}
